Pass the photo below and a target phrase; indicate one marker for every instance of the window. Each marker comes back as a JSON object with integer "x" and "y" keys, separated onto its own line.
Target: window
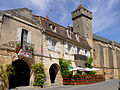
{"x": 76, "y": 49}
{"x": 88, "y": 53}
{"x": 69, "y": 32}
{"x": 66, "y": 47}
{"x": 51, "y": 44}
{"x": 23, "y": 37}
{"x": 58, "y": 46}
{"x": 73, "y": 49}
{"x": 52, "y": 27}
{"x": 81, "y": 51}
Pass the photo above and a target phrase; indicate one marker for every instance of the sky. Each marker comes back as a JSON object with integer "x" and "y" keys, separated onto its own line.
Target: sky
{"x": 106, "y": 13}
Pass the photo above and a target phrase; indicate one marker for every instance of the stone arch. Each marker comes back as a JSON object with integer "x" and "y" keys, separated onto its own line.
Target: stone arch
{"x": 22, "y": 74}
{"x": 53, "y": 71}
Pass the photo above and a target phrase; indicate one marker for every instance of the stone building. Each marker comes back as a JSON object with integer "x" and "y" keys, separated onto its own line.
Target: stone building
{"x": 26, "y": 39}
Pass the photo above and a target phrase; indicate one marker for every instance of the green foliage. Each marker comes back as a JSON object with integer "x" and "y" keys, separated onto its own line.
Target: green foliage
{"x": 92, "y": 73}
{"x": 89, "y": 63}
{"x": 64, "y": 67}
{"x": 39, "y": 74}
{"x": 4, "y": 74}
{"x": 77, "y": 74}
{"x": 84, "y": 73}
{"x": 18, "y": 45}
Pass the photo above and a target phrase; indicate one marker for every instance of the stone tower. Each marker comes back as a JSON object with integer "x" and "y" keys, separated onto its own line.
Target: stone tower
{"x": 82, "y": 23}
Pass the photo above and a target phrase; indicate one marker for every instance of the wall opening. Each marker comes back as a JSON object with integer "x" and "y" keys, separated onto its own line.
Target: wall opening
{"x": 22, "y": 74}
{"x": 53, "y": 72}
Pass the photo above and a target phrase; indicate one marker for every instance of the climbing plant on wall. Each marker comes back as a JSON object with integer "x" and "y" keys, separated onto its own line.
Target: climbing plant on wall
{"x": 64, "y": 67}
{"x": 4, "y": 74}
{"x": 89, "y": 62}
{"x": 39, "y": 74}
{"x": 89, "y": 65}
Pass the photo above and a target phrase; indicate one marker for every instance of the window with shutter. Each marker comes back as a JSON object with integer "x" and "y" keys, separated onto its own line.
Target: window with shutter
{"x": 66, "y": 47}
{"x": 81, "y": 51}
{"x": 29, "y": 37}
{"x": 24, "y": 39}
{"x": 73, "y": 49}
{"x": 58, "y": 46}
{"x": 19, "y": 33}
{"x": 76, "y": 50}
{"x": 53, "y": 45}
{"x": 49, "y": 44}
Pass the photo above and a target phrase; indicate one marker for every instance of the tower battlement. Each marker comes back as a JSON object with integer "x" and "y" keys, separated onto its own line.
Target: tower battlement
{"x": 81, "y": 11}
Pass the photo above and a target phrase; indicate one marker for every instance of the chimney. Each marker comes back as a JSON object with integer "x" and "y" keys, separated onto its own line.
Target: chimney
{"x": 47, "y": 17}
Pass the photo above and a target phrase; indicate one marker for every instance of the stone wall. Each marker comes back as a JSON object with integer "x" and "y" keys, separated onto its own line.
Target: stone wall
{"x": 106, "y": 57}
{"x": 9, "y": 32}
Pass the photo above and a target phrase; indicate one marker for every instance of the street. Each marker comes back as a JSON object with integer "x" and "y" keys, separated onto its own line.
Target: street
{"x": 107, "y": 85}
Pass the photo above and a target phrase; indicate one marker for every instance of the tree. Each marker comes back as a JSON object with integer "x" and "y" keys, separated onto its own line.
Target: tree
{"x": 64, "y": 67}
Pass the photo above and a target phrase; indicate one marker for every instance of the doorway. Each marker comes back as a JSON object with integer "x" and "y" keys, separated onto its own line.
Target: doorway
{"x": 22, "y": 74}
{"x": 53, "y": 72}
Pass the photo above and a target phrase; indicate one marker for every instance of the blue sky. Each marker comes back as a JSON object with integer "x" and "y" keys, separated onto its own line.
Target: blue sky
{"x": 106, "y": 13}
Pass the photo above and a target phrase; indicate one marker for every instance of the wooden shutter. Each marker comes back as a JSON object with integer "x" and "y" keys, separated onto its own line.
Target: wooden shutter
{"x": 29, "y": 37}
{"x": 58, "y": 47}
{"x": 49, "y": 44}
{"x": 19, "y": 32}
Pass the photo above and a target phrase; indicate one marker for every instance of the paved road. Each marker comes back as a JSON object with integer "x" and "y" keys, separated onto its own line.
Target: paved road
{"x": 107, "y": 85}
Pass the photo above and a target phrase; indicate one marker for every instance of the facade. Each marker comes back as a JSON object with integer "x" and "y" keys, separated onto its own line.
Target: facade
{"x": 21, "y": 32}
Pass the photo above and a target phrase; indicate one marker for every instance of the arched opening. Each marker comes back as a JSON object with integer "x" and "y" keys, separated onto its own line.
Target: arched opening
{"x": 53, "y": 72}
{"x": 22, "y": 74}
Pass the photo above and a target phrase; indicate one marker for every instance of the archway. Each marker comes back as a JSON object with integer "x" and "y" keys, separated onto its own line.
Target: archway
{"x": 53, "y": 72}
{"x": 22, "y": 74}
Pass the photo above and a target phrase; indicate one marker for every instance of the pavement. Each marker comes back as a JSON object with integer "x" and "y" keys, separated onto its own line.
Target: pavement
{"x": 107, "y": 85}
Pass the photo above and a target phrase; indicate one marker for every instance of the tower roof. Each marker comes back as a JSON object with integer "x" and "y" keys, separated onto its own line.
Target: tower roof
{"x": 81, "y": 7}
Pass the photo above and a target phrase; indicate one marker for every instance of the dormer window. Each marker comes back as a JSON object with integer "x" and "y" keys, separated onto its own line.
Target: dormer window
{"x": 52, "y": 27}
{"x": 69, "y": 33}
{"x": 77, "y": 37}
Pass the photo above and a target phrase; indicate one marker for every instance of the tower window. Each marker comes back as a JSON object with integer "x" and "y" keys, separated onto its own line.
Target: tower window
{"x": 52, "y": 27}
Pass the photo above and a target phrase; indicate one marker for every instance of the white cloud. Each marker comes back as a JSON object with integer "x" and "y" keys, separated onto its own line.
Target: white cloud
{"x": 104, "y": 14}
{"x": 65, "y": 16}
{"x": 41, "y": 5}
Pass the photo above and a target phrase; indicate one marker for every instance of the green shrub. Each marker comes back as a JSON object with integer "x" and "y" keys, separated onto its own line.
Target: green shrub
{"x": 64, "y": 67}
{"x": 4, "y": 74}
{"x": 39, "y": 74}
{"x": 89, "y": 65}
{"x": 84, "y": 73}
{"x": 89, "y": 62}
{"x": 92, "y": 73}
{"x": 77, "y": 74}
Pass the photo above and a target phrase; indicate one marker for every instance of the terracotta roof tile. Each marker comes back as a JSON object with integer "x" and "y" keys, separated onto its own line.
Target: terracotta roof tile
{"x": 60, "y": 30}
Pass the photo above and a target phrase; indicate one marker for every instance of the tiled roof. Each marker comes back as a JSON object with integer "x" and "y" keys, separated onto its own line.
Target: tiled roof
{"x": 62, "y": 31}
{"x": 102, "y": 39}
{"x": 22, "y": 13}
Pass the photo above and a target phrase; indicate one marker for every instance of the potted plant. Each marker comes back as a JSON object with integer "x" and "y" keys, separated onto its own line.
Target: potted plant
{"x": 18, "y": 46}
{"x": 31, "y": 48}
